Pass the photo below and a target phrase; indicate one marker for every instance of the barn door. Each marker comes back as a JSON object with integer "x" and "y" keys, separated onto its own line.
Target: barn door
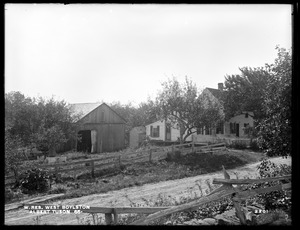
{"x": 94, "y": 141}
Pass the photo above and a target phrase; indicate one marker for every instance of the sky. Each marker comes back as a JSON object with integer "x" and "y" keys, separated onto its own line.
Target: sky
{"x": 83, "y": 53}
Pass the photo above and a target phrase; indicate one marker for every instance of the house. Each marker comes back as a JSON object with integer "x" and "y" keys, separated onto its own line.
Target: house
{"x": 235, "y": 127}
{"x": 100, "y": 129}
{"x": 163, "y": 131}
{"x": 136, "y": 136}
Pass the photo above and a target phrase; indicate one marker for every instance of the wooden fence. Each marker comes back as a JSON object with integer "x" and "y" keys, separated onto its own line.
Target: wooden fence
{"x": 237, "y": 195}
{"x": 150, "y": 155}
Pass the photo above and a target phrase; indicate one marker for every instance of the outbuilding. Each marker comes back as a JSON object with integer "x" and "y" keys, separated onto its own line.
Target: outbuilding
{"x": 100, "y": 128}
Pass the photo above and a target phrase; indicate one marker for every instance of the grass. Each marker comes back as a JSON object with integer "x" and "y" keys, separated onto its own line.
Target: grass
{"x": 143, "y": 173}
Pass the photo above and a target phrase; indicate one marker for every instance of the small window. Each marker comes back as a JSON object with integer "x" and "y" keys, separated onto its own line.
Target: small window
{"x": 246, "y": 115}
{"x": 155, "y": 131}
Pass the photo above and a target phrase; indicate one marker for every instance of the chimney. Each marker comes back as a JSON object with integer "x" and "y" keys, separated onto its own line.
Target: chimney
{"x": 220, "y": 86}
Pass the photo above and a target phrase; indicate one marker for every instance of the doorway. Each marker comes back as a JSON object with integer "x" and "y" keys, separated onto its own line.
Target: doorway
{"x": 237, "y": 128}
{"x": 84, "y": 143}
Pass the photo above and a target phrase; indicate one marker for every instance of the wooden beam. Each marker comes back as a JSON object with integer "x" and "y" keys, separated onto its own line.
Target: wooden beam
{"x": 249, "y": 181}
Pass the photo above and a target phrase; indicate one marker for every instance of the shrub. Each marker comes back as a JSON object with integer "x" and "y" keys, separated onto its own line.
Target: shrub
{"x": 35, "y": 180}
{"x": 275, "y": 199}
{"x": 238, "y": 145}
{"x": 254, "y": 145}
{"x": 10, "y": 194}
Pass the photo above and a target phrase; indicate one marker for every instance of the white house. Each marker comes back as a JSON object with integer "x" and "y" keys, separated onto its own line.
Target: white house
{"x": 163, "y": 131}
{"x": 233, "y": 128}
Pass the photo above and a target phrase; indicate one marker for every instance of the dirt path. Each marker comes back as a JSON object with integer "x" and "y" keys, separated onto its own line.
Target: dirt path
{"x": 176, "y": 188}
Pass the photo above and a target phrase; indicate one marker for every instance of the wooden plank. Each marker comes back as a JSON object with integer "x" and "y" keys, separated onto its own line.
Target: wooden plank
{"x": 240, "y": 214}
{"x": 120, "y": 210}
{"x": 184, "y": 207}
{"x": 249, "y": 181}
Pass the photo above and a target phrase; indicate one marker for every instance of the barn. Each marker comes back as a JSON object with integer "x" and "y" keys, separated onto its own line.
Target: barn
{"x": 100, "y": 128}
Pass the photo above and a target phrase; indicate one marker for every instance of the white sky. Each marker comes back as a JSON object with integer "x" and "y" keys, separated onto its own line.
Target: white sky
{"x": 93, "y": 52}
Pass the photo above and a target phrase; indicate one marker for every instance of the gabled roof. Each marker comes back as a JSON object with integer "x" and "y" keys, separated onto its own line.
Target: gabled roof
{"x": 82, "y": 109}
{"x": 216, "y": 93}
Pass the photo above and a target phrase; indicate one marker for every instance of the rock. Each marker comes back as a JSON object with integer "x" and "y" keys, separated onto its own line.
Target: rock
{"x": 210, "y": 221}
{"x": 228, "y": 218}
{"x": 191, "y": 222}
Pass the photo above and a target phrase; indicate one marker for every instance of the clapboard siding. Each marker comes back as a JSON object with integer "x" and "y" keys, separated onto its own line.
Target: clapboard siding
{"x": 109, "y": 127}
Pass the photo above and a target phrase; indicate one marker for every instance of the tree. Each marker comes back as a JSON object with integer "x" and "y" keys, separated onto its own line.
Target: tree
{"x": 181, "y": 106}
{"x": 275, "y": 129}
{"x": 141, "y": 116}
{"x": 245, "y": 92}
{"x": 46, "y": 123}
{"x": 13, "y": 157}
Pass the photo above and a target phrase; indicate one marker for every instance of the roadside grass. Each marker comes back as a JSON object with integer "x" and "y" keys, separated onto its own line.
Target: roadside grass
{"x": 143, "y": 173}
{"x": 77, "y": 185}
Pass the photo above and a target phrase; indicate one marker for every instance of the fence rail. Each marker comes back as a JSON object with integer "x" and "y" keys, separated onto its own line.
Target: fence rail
{"x": 128, "y": 158}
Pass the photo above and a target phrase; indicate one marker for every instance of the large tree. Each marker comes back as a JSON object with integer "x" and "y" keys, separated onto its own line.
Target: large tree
{"x": 244, "y": 92}
{"x": 275, "y": 129}
{"x": 182, "y": 106}
{"x": 46, "y": 123}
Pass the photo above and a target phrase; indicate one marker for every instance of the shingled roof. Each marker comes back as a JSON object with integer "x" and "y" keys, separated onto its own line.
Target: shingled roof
{"x": 216, "y": 93}
{"x": 82, "y": 109}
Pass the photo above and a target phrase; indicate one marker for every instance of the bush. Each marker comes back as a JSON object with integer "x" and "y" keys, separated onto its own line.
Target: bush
{"x": 254, "y": 145}
{"x": 275, "y": 199}
{"x": 238, "y": 145}
{"x": 35, "y": 180}
{"x": 10, "y": 194}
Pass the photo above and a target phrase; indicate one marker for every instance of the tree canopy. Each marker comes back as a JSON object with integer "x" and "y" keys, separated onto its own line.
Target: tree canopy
{"x": 275, "y": 130}
{"x": 182, "y": 106}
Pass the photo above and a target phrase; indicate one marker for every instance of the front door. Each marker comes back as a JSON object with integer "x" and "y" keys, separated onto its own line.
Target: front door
{"x": 237, "y": 128}
{"x": 168, "y": 132}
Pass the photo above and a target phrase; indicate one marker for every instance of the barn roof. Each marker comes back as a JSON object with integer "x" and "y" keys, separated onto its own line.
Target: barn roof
{"x": 83, "y": 109}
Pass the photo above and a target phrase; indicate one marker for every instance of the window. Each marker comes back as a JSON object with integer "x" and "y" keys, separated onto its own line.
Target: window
{"x": 154, "y": 132}
{"x": 207, "y": 130}
{"x": 220, "y": 128}
{"x": 246, "y": 115}
{"x": 232, "y": 127}
{"x": 200, "y": 130}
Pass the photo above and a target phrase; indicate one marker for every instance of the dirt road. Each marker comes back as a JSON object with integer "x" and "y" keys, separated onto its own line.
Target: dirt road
{"x": 175, "y": 188}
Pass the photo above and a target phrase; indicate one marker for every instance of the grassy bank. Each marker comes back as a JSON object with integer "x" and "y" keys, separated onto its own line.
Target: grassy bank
{"x": 143, "y": 173}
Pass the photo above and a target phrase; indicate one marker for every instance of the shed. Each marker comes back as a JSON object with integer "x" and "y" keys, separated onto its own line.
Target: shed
{"x": 137, "y": 136}
{"x": 100, "y": 129}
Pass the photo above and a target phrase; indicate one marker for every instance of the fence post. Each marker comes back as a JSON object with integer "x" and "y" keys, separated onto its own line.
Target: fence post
{"x": 240, "y": 214}
{"x": 115, "y": 216}
{"x": 193, "y": 146}
{"x": 55, "y": 171}
{"x": 108, "y": 218}
{"x": 93, "y": 169}
{"x": 150, "y": 155}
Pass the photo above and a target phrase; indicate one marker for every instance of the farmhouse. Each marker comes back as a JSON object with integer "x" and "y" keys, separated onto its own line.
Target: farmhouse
{"x": 101, "y": 129}
{"x": 163, "y": 131}
{"x": 235, "y": 127}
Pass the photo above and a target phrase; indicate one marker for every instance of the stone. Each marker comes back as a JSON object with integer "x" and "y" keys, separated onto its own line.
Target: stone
{"x": 210, "y": 221}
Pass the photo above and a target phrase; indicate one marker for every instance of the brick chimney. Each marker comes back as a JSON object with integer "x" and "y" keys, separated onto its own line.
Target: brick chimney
{"x": 220, "y": 86}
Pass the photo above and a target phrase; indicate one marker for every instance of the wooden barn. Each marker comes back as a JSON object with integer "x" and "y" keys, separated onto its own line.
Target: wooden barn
{"x": 100, "y": 129}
